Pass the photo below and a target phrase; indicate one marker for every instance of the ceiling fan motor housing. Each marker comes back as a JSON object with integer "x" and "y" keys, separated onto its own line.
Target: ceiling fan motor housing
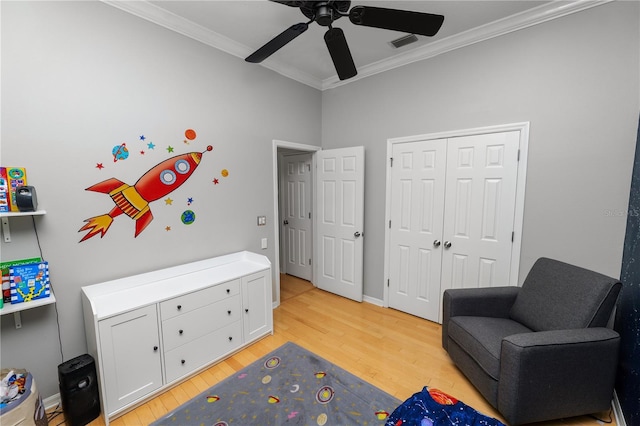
{"x": 324, "y": 12}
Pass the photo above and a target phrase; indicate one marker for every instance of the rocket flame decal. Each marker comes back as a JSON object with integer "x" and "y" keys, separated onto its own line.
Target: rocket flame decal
{"x": 159, "y": 181}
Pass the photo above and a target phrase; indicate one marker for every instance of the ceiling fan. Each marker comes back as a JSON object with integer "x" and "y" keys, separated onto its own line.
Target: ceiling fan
{"x": 326, "y": 12}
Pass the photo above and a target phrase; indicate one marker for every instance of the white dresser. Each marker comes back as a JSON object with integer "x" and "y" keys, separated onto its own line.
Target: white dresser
{"x": 149, "y": 331}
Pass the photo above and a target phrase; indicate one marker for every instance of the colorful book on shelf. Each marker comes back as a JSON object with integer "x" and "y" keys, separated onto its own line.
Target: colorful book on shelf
{"x": 29, "y": 282}
{"x": 10, "y": 179}
{"x": 5, "y": 195}
{"x": 6, "y": 281}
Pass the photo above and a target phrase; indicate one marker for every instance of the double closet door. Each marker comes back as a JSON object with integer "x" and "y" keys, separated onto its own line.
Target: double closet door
{"x": 451, "y": 223}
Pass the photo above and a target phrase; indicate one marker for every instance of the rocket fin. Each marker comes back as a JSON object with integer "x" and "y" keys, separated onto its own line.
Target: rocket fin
{"x": 106, "y": 186}
{"x": 143, "y": 221}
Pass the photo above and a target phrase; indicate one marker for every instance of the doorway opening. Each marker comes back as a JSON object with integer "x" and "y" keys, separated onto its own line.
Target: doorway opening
{"x": 294, "y": 247}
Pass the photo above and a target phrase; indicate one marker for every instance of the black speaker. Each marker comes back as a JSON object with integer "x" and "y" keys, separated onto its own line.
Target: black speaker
{"x": 79, "y": 390}
{"x": 26, "y": 199}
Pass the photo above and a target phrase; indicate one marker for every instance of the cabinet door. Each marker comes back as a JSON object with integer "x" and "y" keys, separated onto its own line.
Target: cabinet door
{"x": 257, "y": 305}
{"x": 129, "y": 345}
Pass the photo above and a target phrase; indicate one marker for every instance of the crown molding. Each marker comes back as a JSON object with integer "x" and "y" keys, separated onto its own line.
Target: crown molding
{"x": 519, "y": 21}
{"x": 528, "y": 18}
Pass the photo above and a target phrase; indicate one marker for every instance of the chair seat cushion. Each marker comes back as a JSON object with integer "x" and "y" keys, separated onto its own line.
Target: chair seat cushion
{"x": 481, "y": 338}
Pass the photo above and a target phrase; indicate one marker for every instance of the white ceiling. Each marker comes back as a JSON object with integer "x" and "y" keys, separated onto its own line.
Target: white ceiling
{"x": 240, "y": 27}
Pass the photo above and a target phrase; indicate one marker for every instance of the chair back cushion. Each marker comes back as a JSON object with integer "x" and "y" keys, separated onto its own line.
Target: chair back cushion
{"x": 556, "y": 296}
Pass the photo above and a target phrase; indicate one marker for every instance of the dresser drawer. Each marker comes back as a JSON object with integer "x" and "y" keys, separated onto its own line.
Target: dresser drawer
{"x": 184, "y": 328}
{"x": 197, "y": 353}
{"x": 189, "y": 302}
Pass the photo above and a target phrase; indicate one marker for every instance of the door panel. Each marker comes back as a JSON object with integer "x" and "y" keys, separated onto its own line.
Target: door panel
{"x": 340, "y": 221}
{"x": 417, "y": 200}
{"x": 482, "y": 169}
{"x": 297, "y": 215}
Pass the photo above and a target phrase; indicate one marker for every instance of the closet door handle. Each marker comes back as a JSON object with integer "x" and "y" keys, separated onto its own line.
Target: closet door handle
{"x": 447, "y": 244}
{"x": 436, "y": 243}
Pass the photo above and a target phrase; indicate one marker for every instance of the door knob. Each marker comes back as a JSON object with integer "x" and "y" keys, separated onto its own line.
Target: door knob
{"x": 286, "y": 222}
{"x": 447, "y": 244}
{"x": 436, "y": 243}
{"x": 356, "y": 234}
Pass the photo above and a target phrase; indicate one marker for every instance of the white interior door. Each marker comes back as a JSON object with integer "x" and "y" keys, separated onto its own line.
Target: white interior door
{"x": 297, "y": 215}
{"x": 340, "y": 220}
{"x": 482, "y": 172}
{"x": 416, "y": 226}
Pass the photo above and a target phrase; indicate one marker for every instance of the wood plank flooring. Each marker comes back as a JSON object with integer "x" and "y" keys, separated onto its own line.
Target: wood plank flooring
{"x": 397, "y": 352}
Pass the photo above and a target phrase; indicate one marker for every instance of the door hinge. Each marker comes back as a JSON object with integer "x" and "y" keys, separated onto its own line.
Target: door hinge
{"x": 387, "y": 282}
{"x": 518, "y": 156}
{"x": 309, "y": 262}
{"x": 391, "y": 159}
{"x": 309, "y": 166}
{"x": 389, "y": 224}
{"x": 513, "y": 234}
{"x": 309, "y": 215}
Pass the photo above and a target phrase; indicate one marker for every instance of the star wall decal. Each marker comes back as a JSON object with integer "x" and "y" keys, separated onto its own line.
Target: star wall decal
{"x": 99, "y": 166}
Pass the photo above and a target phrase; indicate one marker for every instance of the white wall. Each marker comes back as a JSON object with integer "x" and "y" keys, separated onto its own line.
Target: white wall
{"x": 575, "y": 79}
{"x": 81, "y": 77}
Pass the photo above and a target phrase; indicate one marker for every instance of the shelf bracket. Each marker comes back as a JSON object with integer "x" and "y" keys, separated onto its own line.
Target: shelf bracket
{"x": 6, "y": 232}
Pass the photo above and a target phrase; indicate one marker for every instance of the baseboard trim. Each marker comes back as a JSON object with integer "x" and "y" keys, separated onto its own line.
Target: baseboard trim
{"x": 617, "y": 410}
{"x": 372, "y": 300}
{"x": 52, "y": 402}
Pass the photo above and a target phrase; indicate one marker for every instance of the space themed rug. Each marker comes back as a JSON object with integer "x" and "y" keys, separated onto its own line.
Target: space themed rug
{"x": 289, "y": 386}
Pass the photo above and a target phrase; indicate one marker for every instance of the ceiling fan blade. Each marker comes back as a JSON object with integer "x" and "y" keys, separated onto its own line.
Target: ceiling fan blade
{"x": 289, "y": 3}
{"x": 277, "y": 42}
{"x": 426, "y": 24}
{"x": 340, "y": 53}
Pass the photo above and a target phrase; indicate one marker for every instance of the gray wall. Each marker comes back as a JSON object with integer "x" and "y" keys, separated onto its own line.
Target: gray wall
{"x": 575, "y": 79}
{"x": 81, "y": 77}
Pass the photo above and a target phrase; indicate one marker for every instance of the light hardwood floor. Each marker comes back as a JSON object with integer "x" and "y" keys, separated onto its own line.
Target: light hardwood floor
{"x": 397, "y": 352}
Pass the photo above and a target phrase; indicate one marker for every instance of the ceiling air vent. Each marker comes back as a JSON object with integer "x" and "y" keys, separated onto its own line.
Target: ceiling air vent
{"x": 403, "y": 41}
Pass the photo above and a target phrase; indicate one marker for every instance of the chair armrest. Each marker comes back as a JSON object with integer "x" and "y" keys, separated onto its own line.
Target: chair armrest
{"x": 557, "y": 373}
{"x": 478, "y": 302}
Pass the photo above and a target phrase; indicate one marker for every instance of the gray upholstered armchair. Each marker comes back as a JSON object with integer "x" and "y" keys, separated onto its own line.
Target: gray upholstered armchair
{"x": 541, "y": 351}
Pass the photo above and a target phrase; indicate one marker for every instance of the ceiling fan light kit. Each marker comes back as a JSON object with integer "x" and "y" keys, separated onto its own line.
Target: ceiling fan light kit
{"x": 325, "y": 13}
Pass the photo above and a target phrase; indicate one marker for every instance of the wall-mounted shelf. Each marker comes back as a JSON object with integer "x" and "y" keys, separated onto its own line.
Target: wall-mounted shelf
{"x": 15, "y": 309}
{"x": 4, "y": 217}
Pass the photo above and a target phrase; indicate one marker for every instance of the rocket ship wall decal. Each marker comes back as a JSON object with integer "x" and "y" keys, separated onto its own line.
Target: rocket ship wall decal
{"x": 160, "y": 180}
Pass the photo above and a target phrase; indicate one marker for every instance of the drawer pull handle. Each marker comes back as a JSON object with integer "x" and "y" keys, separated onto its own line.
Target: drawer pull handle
{"x": 229, "y": 312}
{"x": 155, "y": 348}
{"x": 246, "y": 310}
{"x": 230, "y": 338}
{"x": 179, "y": 307}
{"x": 181, "y": 331}
{"x": 228, "y": 291}
{"x": 182, "y": 362}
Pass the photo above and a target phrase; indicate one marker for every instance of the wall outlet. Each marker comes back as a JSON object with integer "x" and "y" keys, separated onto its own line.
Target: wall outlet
{"x": 264, "y": 243}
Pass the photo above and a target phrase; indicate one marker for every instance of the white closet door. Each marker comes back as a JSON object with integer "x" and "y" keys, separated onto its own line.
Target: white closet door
{"x": 417, "y": 200}
{"x": 452, "y": 211}
{"x": 482, "y": 172}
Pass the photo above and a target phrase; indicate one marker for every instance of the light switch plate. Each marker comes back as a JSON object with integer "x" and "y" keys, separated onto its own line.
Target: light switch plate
{"x": 264, "y": 243}
{"x": 262, "y": 220}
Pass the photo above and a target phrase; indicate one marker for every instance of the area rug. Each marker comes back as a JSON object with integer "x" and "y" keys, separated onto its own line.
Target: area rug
{"x": 289, "y": 386}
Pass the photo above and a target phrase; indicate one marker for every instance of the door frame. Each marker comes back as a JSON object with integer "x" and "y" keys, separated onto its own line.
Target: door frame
{"x": 523, "y": 128}
{"x": 301, "y": 148}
